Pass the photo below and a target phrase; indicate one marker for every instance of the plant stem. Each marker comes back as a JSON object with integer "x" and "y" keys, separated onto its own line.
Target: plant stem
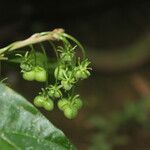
{"x": 35, "y": 38}
{"x": 46, "y": 61}
{"x": 77, "y": 42}
{"x": 54, "y": 47}
{"x": 33, "y": 50}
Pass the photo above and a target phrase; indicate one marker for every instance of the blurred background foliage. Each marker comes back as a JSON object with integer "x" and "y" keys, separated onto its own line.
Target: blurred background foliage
{"x": 116, "y": 35}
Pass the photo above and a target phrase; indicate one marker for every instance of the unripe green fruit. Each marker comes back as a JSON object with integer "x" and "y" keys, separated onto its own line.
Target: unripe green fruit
{"x": 59, "y": 72}
{"x": 29, "y": 75}
{"x": 66, "y": 57}
{"x": 82, "y": 74}
{"x": 54, "y": 93}
{"x": 63, "y": 104}
{"x": 67, "y": 86}
{"x": 85, "y": 74}
{"x": 38, "y": 101}
{"x": 57, "y": 94}
{"x": 77, "y": 103}
{"x": 40, "y": 74}
{"x": 78, "y": 74}
{"x": 48, "y": 105}
{"x": 70, "y": 112}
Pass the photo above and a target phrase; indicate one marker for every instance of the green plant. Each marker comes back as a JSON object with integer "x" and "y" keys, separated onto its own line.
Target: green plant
{"x": 67, "y": 68}
{"x": 22, "y": 126}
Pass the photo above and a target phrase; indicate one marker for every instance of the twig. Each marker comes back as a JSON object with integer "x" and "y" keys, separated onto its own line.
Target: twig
{"x": 35, "y": 38}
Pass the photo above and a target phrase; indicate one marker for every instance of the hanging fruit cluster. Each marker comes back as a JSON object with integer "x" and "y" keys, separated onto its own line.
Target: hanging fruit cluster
{"x": 69, "y": 70}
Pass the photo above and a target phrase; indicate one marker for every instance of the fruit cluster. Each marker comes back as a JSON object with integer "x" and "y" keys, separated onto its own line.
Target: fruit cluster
{"x": 68, "y": 72}
{"x": 30, "y": 70}
{"x": 70, "y": 106}
{"x": 38, "y": 73}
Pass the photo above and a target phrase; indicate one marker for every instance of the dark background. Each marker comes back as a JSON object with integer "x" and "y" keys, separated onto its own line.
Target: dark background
{"x": 102, "y": 23}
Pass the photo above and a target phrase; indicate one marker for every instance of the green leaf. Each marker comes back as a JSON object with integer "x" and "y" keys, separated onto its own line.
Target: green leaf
{"x": 23, "y": 127}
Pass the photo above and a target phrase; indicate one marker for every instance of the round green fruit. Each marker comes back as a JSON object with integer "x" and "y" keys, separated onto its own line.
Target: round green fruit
{"x": 59, "y": 72}
{"x": 48, "y": 105}
{"x": 70, "y": 112}
{"x": 63, "y": 104}
{"x": 40, "y": 74}
{"x": 29, "y": 76}
{"x": 66, "y": 57}
{"x": 82, "y": 74}
{"x": 54, "y": 93}
{"x": 66, "y": 85}
{"x": 39, "y": 100}
{"x": 78, "y": 103}
{"x": 85, "y": 74}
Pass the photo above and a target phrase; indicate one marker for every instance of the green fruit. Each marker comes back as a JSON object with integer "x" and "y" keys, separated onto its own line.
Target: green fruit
{"x": 63, "y": 104}
{"x": 59, "y": 72}
{"x": 48, "y": 105}
{"x": 85, "y": 74}
{"x": 66, "y": 57}
{"x": 81, "y": 71}
{"x": 82, "y": 74}
{"x": 54, "y": 93}
{"x": 39, "y": 100}
{"x": 51, "y": 92}
{"x": 78, "y": 103}
{"x": 57, "y": 94}
{"x": 70, "y": 112}
{"x": 78, "y": 74}
{"x": 66, "y": 85}
{"x": 30, "y": 76}
{"x": 40, "y": 74}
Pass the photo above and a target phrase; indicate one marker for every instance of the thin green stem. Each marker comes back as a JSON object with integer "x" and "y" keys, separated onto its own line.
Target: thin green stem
{"x": 34, "y": 53}
{"x": 54, "y": 47}
{"x": 56, "y": 79}
{"x": 76, "y": 41}
{"x": 73, "y": 90}
{"x": 66, "y": 42}
{"x": 46, "y": 61}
